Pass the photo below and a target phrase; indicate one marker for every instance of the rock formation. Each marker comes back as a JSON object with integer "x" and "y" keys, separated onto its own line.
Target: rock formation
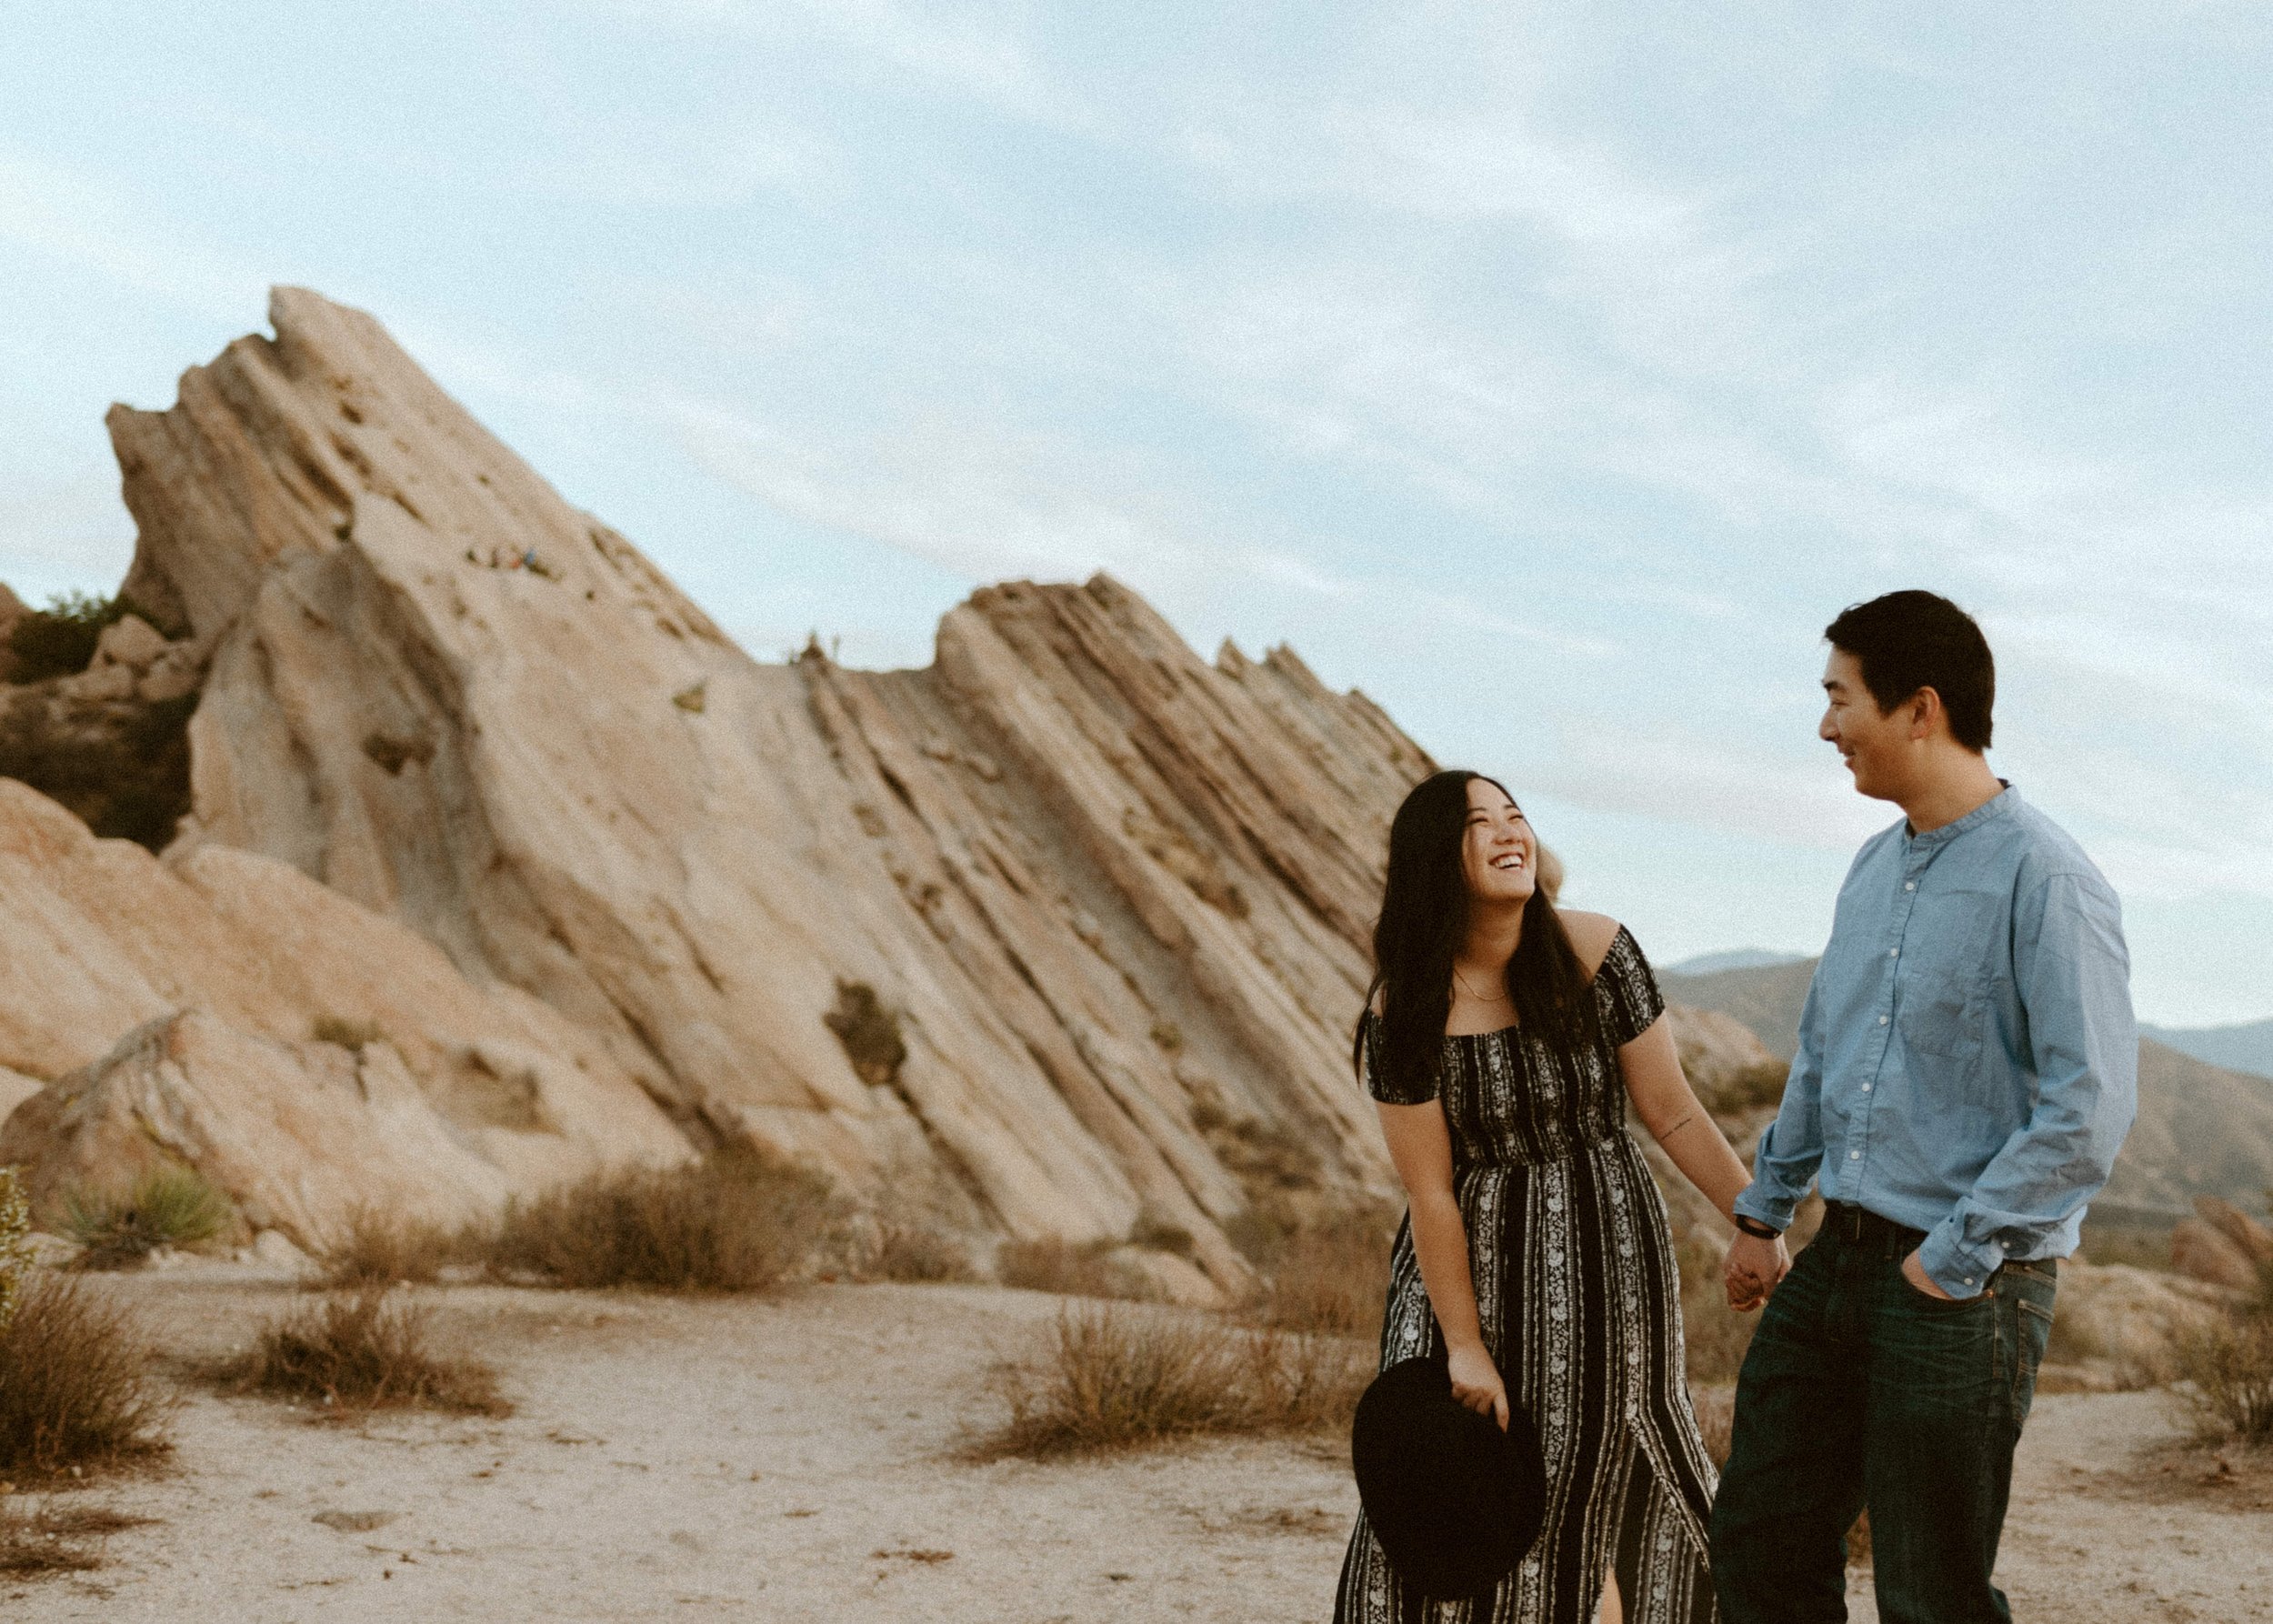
{"x": 1097, "y": 905}
{"x": 336, "y": 1049}
{"x": 500, "y": 859}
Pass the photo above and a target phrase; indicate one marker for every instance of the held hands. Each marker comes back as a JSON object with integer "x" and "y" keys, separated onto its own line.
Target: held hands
{"x": 1475, "y": 1383}
{"x": 1753, "y": 1269}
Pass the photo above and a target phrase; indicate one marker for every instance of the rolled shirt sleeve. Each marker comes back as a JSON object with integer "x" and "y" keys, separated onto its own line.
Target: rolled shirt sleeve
{"x": 2073, "y": 976}
{"x": 1791, "y": 1147}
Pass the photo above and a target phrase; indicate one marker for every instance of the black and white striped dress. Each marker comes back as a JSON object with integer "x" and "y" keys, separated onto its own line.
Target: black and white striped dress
{"x": 1579, "y": 1296}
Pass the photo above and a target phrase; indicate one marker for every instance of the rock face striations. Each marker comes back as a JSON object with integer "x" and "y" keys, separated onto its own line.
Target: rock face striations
{"x": 1063, "y": 934}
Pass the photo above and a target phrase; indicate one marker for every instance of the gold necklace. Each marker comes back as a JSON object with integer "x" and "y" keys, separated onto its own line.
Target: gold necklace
{"x": 1463, "y": 983}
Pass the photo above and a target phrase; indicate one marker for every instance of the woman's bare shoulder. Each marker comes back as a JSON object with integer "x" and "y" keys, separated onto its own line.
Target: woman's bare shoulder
{"x": 1590, "y": 936}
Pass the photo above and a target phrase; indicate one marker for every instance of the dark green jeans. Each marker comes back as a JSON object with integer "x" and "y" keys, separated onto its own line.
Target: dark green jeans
{"x": 1861, "y": 1390}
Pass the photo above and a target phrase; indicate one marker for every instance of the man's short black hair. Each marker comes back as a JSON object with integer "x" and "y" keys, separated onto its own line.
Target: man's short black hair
{"x": 1907, "y": 641}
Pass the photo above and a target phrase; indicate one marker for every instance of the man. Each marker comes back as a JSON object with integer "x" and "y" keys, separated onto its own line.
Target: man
{"x": 1968, "y": 1067}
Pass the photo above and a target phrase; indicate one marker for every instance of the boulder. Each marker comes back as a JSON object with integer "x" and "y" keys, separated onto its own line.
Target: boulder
{"x": 1735, "y": 1076}
{"x": 1053, "y": 922}
{"x": 98, "y": 939}
{"x": 14, "y": 1089}
{"x": 129, "y": 641}
{"x": 300, "y": 1135}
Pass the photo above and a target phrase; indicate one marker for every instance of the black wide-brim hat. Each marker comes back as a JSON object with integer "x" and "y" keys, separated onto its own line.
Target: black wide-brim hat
{"x": 1455, "y": 1501}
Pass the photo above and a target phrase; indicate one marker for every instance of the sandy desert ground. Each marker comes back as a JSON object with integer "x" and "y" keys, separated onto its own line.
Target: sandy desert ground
{"x": 798, "y": 1460}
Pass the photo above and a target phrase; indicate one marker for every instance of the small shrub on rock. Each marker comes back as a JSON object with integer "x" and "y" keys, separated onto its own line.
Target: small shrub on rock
{"x": 169, "y": 1205}
{"x": 76, "y": 1387}
{"x": 346, "y": 1032}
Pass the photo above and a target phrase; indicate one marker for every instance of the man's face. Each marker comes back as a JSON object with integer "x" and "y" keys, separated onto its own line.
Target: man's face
{"x": 1876, "y": 748}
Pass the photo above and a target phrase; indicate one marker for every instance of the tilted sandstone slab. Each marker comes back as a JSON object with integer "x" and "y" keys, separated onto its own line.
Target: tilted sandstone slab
{"x": 300, "y": 1135}
{"x": 99, "y": 938}
{"x": 1113, "y": 897}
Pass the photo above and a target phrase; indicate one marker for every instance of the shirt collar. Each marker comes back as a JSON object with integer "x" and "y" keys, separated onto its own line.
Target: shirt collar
{"x": 1998, "y": 805}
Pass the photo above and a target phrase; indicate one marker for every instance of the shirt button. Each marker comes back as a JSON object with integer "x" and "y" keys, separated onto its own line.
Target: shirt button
{"x": 1884, "y": 1019}
{"x": 1854, "y": 1156}
{"x": 1894, "y": 952}
{"x": 1865, "y": 1088}
{"x": 1969, "y": 1279}
{"x": 1909, "y": 885}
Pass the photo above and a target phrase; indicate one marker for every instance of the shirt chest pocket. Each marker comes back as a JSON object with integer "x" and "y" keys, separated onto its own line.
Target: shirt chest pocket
{"x": 1950, "y": 960}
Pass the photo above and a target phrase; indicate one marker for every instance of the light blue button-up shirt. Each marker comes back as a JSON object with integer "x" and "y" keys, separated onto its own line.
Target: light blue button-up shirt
{"x": 1969, "y": 1062}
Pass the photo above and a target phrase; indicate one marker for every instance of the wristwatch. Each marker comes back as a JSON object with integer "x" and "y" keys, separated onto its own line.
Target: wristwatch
{"x": 1754, "y": 1227}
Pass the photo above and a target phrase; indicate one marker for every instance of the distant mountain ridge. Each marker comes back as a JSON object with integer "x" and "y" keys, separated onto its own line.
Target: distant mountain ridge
{"x": 2203, "y": 1129}
{"x": 1735, "y": 958}
{"x": 2248, "y": 1047}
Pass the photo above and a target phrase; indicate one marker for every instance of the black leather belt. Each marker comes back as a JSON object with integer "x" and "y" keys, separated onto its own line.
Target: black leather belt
{"x": 1857, "y": 1224}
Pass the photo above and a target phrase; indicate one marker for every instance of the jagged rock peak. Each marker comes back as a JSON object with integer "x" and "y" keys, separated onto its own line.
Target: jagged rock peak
{"x": 1062, "y": 936}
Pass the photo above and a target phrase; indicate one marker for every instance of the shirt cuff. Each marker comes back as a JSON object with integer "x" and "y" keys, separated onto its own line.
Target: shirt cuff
{"x": 1958, "y": 1268}
{"x": 1755, "y": 1201}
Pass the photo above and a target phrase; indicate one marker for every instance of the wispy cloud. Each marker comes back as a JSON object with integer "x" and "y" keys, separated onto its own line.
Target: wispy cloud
{"x": 93, "y": 227}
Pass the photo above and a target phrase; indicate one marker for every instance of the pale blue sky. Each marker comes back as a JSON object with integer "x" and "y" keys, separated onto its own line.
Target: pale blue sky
{"x": 1552, "y": 373}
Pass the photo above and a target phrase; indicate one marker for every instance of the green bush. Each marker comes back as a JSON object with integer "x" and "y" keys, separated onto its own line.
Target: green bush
{"x": 59, "y": 640}
{"x": 169, "y": 1205}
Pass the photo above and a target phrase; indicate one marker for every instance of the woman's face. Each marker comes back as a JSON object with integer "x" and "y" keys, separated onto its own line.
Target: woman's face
{"x": 1498, "y": 854}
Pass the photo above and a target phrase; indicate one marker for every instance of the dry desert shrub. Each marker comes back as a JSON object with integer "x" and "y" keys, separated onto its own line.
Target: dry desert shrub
{"x": 2224, "y": 1375}
{"x": 56, "y": 1538}
{"x": 390, "y": 1249}
{"x": 1328, "y": 1275}
{"x": 168, "y": 1205}
{"x": 909, "y": 1248}
{"x": 737, "y": 1221}
{"x": 1111, "y": 1376}
{"x": 15, "y": 1244}
{"x": 1748, "y": 1088}
{"x": 364, "y": 1350}
{"x": 1067, "y": 1269}
{"x": 76, "y": 1387}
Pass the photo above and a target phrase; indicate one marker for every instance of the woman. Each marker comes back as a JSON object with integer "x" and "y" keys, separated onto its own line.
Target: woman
{"x": 1502, "y": 1039}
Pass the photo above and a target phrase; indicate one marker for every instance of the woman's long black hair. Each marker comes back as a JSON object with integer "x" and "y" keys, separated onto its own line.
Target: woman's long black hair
{"x": 1424, "y": 921}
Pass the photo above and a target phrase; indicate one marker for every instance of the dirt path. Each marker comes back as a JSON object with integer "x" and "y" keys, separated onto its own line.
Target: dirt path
{"x": 795, "y": 1461}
